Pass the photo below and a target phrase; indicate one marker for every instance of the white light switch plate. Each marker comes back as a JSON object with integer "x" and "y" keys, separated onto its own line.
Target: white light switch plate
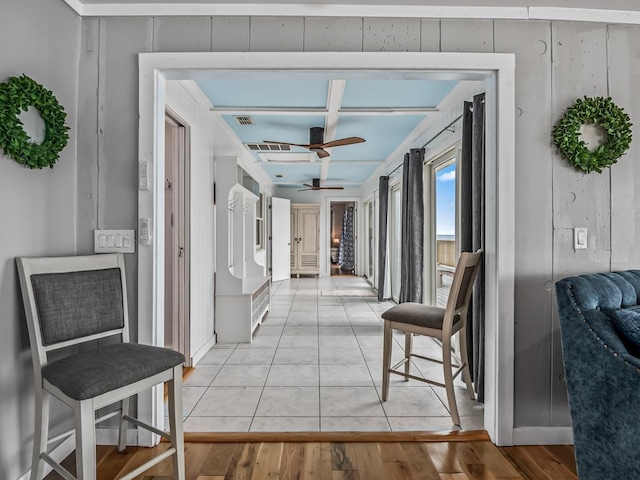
{"x": 579, "y": 238}
{"x": 109, "y": 241}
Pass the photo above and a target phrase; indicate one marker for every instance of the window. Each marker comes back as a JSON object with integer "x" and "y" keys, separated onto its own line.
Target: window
{"x": 396, "y": 241}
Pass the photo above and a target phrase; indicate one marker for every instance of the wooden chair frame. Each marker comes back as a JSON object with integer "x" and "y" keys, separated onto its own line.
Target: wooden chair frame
{"x": 84, "y": 410}
{"x": 457, "y": 306}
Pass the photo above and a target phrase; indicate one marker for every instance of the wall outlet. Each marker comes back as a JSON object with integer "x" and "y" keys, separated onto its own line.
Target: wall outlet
{"x": 109, "y": 241}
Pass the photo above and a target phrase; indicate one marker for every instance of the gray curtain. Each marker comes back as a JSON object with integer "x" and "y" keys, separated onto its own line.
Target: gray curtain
{"x": 472, "y": 180}
{"x": 411, "y": 255}
{"x": 383, "y": 199}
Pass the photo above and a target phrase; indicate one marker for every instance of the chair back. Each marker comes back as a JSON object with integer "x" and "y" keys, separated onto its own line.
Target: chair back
{"x": 71, "y": 300}
{"x": 461, "y": 288}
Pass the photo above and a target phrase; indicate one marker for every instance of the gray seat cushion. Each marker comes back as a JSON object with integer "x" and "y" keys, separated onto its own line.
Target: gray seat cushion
{"x": 92, "y": 373}
{"x": 416, "y": 314}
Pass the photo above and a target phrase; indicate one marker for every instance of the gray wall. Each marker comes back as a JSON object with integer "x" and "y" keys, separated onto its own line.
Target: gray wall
{"x": 39, "y": 38}
{"x": 551, "y": 197}
{"x": 55, "y": 211}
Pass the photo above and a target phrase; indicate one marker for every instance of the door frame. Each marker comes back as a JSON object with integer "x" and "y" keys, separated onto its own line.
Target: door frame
{"x": 327, "y": 240}
{"x": 495, "y": 69}
{"x": 183, "y": 274}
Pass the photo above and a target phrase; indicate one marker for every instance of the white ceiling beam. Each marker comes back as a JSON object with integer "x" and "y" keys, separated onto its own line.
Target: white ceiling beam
{"x": 334, "y": 103}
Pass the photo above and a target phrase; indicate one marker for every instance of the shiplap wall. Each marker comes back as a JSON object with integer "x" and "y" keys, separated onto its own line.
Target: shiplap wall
{"x": 37, "y": 208}
{"x": 556, "y": 62}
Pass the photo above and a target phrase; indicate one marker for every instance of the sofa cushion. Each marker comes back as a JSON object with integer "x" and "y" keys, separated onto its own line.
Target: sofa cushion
{"x": 627, "y": 322}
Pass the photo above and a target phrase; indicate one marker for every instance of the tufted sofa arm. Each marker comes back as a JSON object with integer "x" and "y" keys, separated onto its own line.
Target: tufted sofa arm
{"x": 603, "y": 378}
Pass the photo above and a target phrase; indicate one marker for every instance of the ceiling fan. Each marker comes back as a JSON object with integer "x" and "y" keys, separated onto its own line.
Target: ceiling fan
{"x": 316, "y": 142}
{"x": 315, "y": 185}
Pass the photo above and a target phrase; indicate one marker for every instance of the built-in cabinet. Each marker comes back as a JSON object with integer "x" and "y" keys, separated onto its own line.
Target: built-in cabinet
{"x": 305, "y": 239}
{"x": 242, "y": 292}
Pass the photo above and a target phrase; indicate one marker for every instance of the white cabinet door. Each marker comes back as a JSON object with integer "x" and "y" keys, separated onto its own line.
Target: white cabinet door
{"x": 280, "y": 238}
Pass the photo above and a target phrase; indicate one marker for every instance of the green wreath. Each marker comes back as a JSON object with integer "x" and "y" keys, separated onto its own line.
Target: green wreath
{"x": 603, "y": 112}
{"x": 16, "y": 95}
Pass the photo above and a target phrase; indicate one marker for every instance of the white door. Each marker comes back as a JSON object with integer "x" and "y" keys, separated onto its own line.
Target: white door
{"x": 280, "y": 239}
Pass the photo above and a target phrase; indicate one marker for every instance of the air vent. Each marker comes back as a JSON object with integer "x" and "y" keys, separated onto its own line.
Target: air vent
{"x": 244, "y": 119}
{"x": 273, "y": 147}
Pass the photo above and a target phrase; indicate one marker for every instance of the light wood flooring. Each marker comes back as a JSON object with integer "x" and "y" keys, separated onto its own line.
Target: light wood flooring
{"x": 394, "y": 460}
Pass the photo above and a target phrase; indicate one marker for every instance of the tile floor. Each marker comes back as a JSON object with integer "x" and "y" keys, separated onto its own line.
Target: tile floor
{"x": 315, "y": 364}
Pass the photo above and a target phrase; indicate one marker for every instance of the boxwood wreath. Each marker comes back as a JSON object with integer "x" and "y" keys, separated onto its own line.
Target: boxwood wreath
{"x": 16, "y": 95}
{"x": 600, "y": 111}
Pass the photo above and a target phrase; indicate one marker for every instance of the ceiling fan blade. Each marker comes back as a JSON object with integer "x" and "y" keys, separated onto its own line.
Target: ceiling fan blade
{"x": 307, "y": 185}
{"x": 343, "y": 141}
{"x": 321, "y": 153}
{"x": 331, "y": 188}
{"x": 307, "y": 189}
{"x": 305, "y": 145}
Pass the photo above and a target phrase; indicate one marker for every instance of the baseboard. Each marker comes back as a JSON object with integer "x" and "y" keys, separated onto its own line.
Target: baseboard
{"x": 59, "y": 453}
{"x": 542, "y": 436}
{"x": 109, "y": 436}
{"x": 202, "y": 351}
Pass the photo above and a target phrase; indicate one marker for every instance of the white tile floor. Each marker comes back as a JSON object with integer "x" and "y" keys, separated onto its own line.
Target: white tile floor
{"x": 315, "y": 364}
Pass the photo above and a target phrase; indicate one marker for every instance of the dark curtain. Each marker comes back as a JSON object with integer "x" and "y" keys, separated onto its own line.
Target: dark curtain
{"x": 411, "y": 255}
{"x": 383, "y": 198}
{"x": 472, "y": 168}
{"x": 345, "y": 254}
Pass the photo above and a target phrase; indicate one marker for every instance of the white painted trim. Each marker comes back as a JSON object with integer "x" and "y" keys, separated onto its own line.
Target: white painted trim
{"x": 628, "y": 17}
{"x": 59, "y": 453}
{"x": 319, "y": 9}
{"x": 202, "y": 351}
{"x": 543, "y": 436}
{"x": 584, "y": 15}
{"x": 76, "y": 5}
{"x": 498, "y": 72}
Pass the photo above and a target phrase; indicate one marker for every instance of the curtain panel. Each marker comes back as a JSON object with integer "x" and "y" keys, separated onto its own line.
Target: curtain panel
{"x": 472, "y": 219}
{"x": 412, "y": 252}
{"x": 383, "y": 198}
{"x": 345, "y": 255}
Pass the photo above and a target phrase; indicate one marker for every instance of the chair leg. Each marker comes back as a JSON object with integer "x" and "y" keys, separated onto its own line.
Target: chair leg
{"x": 466, "y": 374}
{"x": 386, "y": 359}
{"x": 41, "y": 433}
{"x": 448, "y": 380}
{"x": 408, "y": 348}
{"x": 85, "y": 441}
{"x": 175, "y": 422}
{"x": 122, "y": 433}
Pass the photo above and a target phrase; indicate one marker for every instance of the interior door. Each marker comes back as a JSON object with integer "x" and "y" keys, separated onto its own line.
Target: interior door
{"x": 281, "y": 239}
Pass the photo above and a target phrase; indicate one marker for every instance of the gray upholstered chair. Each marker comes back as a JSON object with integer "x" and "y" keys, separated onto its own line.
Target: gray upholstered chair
{"x": 73, "y": 300}
{"x": 600, "y": 333}
{"x": 440, "y": 323}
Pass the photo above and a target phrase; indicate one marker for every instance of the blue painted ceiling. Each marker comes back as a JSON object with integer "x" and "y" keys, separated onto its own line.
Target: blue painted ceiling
{"x": 383, "y": 112}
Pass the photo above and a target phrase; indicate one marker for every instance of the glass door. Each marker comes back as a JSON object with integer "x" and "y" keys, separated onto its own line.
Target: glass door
{"x": 445, "y": 213}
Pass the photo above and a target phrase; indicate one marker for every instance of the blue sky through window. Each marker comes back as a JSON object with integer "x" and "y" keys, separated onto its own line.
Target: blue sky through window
{"x": 446, "y": 200}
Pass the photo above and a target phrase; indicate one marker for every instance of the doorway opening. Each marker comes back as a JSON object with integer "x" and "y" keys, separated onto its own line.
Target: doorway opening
{"x": 343, "y": 238}
{"x": 176, "y": 235}
{"x": 497, "y": 72}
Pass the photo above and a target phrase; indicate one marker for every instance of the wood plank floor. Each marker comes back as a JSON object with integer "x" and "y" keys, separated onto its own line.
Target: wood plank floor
{"x": 470, "y": 460}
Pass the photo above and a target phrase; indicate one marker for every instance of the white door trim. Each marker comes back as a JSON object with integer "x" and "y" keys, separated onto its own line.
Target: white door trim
{"x": 497, "y": 70}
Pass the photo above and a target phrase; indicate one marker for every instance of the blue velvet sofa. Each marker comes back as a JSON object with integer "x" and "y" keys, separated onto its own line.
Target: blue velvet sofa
{"x": 600, "y": 331}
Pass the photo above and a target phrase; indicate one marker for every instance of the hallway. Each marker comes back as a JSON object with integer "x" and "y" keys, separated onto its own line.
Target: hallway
{"x": 315, "y": 365}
